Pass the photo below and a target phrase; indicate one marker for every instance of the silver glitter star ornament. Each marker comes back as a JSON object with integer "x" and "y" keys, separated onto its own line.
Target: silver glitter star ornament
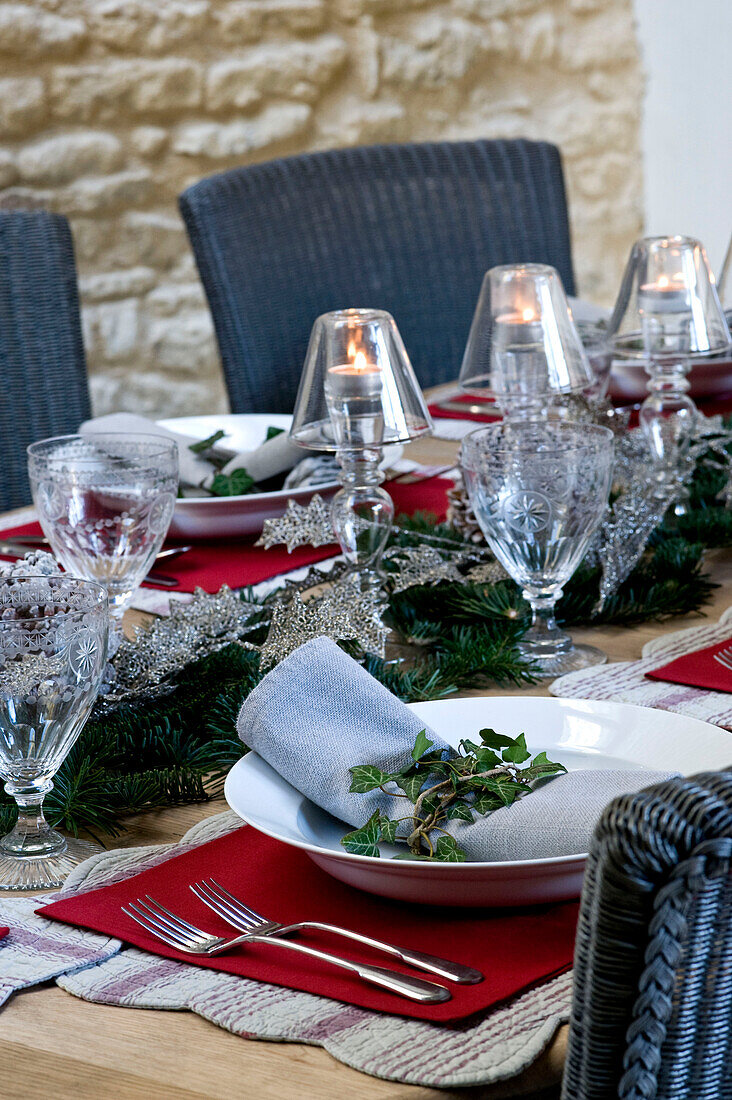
{"x": 299, "y": 526}
{"x": 342, "y": 613}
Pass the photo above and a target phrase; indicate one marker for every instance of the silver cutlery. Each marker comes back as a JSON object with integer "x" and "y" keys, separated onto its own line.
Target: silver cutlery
{"x": 186, "y": 937}
{"x": 236, "y": 913}
{"x": 412, "y": 477}
{"x": 724, "y": 657}
{"x": 31, "y": 542}
{"x": 16, "y": 549}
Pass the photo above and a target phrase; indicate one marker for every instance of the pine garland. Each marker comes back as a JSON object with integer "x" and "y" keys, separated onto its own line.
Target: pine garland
{"x": 178, "y": 748}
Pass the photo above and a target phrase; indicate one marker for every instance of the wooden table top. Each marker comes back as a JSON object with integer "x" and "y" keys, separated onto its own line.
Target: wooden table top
{"x": 55, "y": 1045}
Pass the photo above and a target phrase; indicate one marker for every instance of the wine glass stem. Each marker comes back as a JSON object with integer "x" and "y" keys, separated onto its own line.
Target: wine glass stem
{"x": 32, "y": 835}
{"x": 544, "y": 638}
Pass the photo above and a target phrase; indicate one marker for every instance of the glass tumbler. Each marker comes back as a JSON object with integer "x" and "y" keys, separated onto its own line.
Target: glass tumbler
{"x": 105, "y": 503}
{"x": 539, "y": 491}
{"x": 53, "y": 645}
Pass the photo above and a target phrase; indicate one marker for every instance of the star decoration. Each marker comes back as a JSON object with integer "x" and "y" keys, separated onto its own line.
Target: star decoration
{"x": 419, "y": 565}
{"x": 488, "y": 573}
{"x": 300, "y": 525}
{"x": 343, "y": 613}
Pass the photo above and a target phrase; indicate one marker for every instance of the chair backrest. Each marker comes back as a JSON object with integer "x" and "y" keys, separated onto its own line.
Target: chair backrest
{"x": 42, "y": 367}
{"x": 407, "y": 228}
{"x": 652, "y": 1002}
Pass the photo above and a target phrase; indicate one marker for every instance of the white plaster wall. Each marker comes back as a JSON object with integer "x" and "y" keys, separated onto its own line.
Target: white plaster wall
{"x": 686, "y": 50}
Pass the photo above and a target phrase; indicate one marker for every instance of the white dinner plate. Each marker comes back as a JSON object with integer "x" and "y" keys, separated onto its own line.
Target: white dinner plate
{"x": 579, "y": 733}
{"x": 234, "y": 517}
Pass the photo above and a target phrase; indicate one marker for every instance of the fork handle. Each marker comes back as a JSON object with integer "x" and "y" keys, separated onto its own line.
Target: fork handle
{"x": 443, "y": 968}
{"x": 415, "y": 989}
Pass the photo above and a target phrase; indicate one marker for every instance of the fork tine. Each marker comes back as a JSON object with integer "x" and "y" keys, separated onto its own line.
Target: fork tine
{"x": 178, "y": 923}
{"x": 154, "y": 928}
{"x": 234, "y": 902}
{"x": 174, "y": 927}
{"x": 203, "y": 891}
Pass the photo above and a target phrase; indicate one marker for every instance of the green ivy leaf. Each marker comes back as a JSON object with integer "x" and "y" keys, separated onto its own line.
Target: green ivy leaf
{"x": 388, "y": 830}
{"x": 495, "y": 740}
{"x": 272, "y": 432}
{"x": 486, "y": 803}
{"x": 411, "y": 785}
{"x": 447, "y": 850}
{"x": 517, "y": 752}
{"x": 364, "y": 841}
{"x": 422, "y": 744}
{"x": 206, "y": 444}
{"x": 236, "y": 484}
{"x": 459, "y": 811}
{"x": 366, "y": 777}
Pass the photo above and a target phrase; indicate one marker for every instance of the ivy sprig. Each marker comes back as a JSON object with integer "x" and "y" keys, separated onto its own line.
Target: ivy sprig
{"x": 442, "y": 787}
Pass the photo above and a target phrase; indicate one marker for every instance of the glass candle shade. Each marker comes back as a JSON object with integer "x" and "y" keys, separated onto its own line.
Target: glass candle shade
{"x": 523, "y": 349}
{"x": 668, "y": 315}
{"x": 358, "y": 393}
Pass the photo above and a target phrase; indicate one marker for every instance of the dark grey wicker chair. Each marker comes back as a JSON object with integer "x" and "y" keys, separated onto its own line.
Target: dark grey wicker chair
{"x": 44, "y": 384}
{"x": 652, "y": 1006}
{"x": 407, "y": 228}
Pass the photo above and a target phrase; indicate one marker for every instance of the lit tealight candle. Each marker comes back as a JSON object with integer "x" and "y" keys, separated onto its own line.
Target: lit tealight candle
{"x": 357, "y": 378}
{"x": 666, "y": 296}
{"x": 519, "y": 327}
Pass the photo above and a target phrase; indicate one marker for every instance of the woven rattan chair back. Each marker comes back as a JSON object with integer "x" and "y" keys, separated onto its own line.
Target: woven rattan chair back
{"x": 44, "y": 384}
{"x": 652, "y": 1004}
{"x": 407, "y": 228}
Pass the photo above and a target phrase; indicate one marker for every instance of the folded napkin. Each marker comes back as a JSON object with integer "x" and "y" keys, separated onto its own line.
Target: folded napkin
{"x": 272, "y": 457}
{"x": 284, "y": 884}
{"x": 698, "y": 669}
{"x": 319, "y": 712}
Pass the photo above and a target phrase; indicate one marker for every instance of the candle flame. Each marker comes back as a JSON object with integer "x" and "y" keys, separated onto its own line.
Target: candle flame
{"x": 356, "y": 357}
{"x": 528, "y": 314}
{"x": 663, "y": 281}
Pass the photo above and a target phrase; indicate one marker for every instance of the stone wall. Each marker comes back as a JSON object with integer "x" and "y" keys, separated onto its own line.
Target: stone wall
{"x": 109, "y": 108}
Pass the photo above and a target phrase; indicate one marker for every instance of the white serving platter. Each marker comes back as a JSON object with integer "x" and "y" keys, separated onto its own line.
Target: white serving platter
{"x": 235, "y": 517}
{"x": 579, "y": 733}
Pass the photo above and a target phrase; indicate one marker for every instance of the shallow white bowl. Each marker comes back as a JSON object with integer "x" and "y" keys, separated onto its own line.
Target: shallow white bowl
{"x": 234, "y": 517}
{"x": 578, "y": 733}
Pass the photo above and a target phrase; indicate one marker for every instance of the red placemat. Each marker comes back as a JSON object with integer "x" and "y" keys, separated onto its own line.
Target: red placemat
{"x": 437, "y": 410}
{"x": 513, "y": 949}
{"x": 238, "y": 563}
{"x": 698, "y": 669}
{"x": 3, "y": 932}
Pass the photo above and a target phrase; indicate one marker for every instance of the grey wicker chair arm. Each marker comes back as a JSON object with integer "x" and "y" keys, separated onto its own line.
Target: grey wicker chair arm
{"x": 652, "y": 1004}
{"x": 407, "y": 228}
{"x": 42, "y": 366}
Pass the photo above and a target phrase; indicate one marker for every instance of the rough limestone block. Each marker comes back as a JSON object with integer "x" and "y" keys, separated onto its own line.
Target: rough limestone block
{"x": 118, "y": 326}
{"x": 246, "y": 20}
{"x": 293, "y": 68}
{"x": 85, "y": 92}
{"x": 146, "y": 25}
{"x": 8, "y": 168}
{"x": 149, "y": 141}
{"x": 235, "y": 139}
{"x": 439, "y": 51}
{"x": 117, "y": 284}
{"x": 182, "y": 343}
{"x": 150, "y": 237}
{"x": 22, "y": 104}
{"x": 26, "y": 31}
{"x": 62, "y": 158}
{"x": 100, "y": 194}
{"x": 170, "y": 298}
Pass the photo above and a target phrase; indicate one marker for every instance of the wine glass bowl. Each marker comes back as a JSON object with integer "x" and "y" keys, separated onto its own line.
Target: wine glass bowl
{"x": 105, "y": 503}
{"x": 53, "y": 645}
{"x": 539, "y": 491}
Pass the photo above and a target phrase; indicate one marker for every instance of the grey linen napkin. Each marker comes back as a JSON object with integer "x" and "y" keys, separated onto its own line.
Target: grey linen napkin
{"x": 319, "y": 712}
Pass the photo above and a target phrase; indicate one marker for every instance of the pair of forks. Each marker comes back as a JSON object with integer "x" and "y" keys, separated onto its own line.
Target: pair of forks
{"x": 187, "y": 938}
{"x": 724, "y": 658}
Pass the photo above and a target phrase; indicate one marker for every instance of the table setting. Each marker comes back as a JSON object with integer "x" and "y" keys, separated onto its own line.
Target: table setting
{"x": 342, "y": 645}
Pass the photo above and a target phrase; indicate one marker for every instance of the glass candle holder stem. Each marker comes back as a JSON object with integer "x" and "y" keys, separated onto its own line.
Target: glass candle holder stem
{"x": 362, "y": 514}
{"x": 667, "y": 418}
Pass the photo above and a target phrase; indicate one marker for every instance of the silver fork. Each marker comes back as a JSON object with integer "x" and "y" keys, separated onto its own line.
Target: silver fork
{"x": 724, "y": 657}
{"x": 217, "y": 898}
{"x": 186, "y": 937}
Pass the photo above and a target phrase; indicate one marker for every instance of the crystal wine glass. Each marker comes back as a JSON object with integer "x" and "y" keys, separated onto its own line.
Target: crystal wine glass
{"x": 53, "y": 645}
{"x": 539, "y": 490}
{"x": 105, "y": 503}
